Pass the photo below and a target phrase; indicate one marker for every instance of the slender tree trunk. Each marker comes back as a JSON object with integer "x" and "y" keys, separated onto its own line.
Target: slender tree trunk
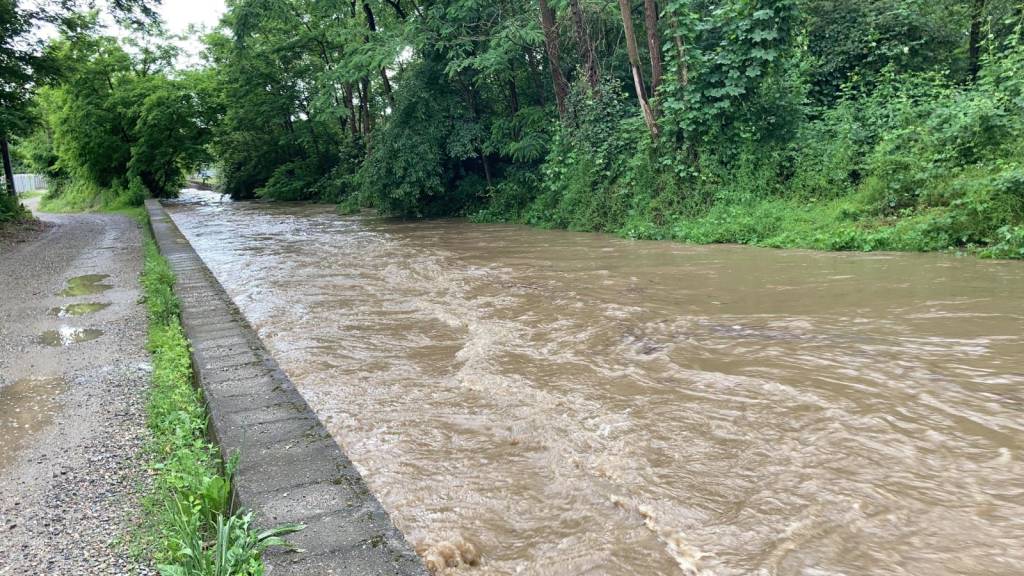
{"x": 487, "y": 168}
{"x": 974, "y": 46}
{"x": 653, "y": 45}
{"x": 586, "y": 44}
{"x": 353, "y": 123}
{"x": 8, "y": 168}
{"x": 397, "y": 6}
{"x": 547, "y": 22}
{"x": 371, "y": 23}
{"x": 513, "y": 94}
{"x": 634, "y": 64}
{"x": 681, "y": 68}
{"x": 387, "y": 89}
{"x": 364, "y": 106}
{"x": 534, "y": 74}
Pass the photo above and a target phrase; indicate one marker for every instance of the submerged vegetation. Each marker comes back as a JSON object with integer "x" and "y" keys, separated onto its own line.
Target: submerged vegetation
{"x": 192, "y": 531}
{"x": 855, "y": 125}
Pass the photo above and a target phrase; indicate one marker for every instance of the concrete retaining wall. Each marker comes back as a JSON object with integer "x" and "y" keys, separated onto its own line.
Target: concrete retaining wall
{"x": 291, "y": 470}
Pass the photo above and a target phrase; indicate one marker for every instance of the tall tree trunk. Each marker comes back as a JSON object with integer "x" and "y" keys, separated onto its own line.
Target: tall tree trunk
{"x": 8, "y": 168}
{"x": 397, "y": 6}
{"x": 364, "y": 106}
{"x": 586, "y": 44}
{"x": 487, "y": 168}
{"x": 547, "y": 22}
{"x": 681, "y": 68}
{"x": 513, "y": 95}
{"x": 974, "y": 46}
{"x": 353, "y": 122}
{"x": 387, "y": 89}
{"x": 634, "y": 64}
{"x": 653, "y": 44}
{"x": 371, "y": 23}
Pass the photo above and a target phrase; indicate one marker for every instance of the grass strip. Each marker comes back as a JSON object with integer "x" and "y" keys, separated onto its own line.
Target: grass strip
{"x": 190, "y": 530}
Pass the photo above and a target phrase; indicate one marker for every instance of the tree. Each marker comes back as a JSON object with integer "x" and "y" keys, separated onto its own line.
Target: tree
{"x": 585, "y": 44}
{"x": 547, "y": 19}
{"x": 634, "y": 65}
{"x": 24, "y": 67}
{"x": 653, "y": 44}
{"x": 120, "y": 126}
{"x": 974, "y": 41}
{"x": 20, "y": 64}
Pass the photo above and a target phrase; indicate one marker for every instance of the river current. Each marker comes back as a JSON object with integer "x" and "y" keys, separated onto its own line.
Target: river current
{"x": 572, "y": 403}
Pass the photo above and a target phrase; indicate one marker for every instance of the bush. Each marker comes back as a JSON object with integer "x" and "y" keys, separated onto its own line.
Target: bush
{"x": 11, "y": 209}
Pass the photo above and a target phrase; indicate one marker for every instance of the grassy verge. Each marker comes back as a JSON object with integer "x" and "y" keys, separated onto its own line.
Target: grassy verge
{"x": 190, "y": 531}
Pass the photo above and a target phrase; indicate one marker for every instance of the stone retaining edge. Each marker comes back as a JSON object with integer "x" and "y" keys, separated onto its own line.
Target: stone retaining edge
{"x": 291, "y": 470}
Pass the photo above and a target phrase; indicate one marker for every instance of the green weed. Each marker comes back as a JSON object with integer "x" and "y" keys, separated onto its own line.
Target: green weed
{"x": 192, "y": 532}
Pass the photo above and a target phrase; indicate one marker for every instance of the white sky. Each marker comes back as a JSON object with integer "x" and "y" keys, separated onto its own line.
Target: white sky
{"x": 179, "y": 14}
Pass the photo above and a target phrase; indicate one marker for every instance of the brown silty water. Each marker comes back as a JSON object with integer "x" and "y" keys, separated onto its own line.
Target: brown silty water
{"x": 581, "y": 404}
{"x": 26, "y": 408}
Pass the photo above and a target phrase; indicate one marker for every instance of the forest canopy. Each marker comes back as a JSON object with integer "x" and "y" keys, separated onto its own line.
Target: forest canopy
{"x": 856, "y": 124}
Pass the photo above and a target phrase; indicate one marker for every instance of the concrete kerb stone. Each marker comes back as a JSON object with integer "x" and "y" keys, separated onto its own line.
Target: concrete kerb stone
{"x": 290, "y": 469}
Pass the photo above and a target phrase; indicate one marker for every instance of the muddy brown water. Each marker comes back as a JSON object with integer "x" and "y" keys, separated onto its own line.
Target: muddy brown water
{"x": 87, "y": 284}
{"x": 26, "y": 407}
{"x": 68, "y": 335}
{"x": 581, "y": 404}
{"x": 79, "y": 309}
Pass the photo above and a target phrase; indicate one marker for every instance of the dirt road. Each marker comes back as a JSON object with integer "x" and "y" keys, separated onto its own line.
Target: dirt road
{"x": 73, "y": 375}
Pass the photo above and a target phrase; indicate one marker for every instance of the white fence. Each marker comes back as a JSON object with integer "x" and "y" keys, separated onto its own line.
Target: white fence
{"x": 28, "y": 183}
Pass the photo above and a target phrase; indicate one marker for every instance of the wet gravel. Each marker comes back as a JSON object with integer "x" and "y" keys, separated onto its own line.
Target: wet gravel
{"x": 70, "y": 499}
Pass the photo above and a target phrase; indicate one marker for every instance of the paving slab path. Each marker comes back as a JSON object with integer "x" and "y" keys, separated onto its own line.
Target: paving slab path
{"x": 72, "y": 392}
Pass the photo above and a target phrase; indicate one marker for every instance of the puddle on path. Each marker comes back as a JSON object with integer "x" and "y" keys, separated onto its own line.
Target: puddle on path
{"x": 26, "y": 407}
{"x": 78, "y": 309}
{"x": 87, "y": 284}
{"x": 67, "y": 335}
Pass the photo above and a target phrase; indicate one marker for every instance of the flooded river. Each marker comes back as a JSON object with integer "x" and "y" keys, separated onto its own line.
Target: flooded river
{"x": 580, "y": 404}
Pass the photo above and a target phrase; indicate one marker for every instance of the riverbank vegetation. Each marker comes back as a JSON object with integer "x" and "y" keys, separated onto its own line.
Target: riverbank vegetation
{"x": 855, "y": 125}
{"x": 117, "y": 127}
{"x": 106, "y": 120}
{"x": 191, "y": 529}
{"x": 863, "y": 125}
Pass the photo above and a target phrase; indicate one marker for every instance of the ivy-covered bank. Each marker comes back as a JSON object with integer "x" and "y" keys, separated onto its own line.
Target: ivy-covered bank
{"x": 190, "y": 528}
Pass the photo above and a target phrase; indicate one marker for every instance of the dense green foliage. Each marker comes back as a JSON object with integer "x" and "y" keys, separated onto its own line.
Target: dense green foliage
{"x": 25, "y": 65}
{"x": 117, "y": 127}
{"x": 11, "y": 209}
{"x": 863, "y": 124}
{"x": 189, "y": 504}
{"x": 114, "y": 122}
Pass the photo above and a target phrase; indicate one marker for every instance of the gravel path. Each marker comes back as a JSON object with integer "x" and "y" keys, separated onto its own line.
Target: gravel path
{"x": 72, "y": 417}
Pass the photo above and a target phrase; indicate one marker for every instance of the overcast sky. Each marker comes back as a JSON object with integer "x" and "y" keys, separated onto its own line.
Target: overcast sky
{"x": 179, "y": 14}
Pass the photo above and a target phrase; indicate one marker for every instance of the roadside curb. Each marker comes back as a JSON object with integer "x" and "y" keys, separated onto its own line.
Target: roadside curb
{"x": 291, "y": 469}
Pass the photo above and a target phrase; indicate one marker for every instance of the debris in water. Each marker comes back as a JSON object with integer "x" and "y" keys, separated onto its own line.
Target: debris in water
{"x": 442, "y": 555}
